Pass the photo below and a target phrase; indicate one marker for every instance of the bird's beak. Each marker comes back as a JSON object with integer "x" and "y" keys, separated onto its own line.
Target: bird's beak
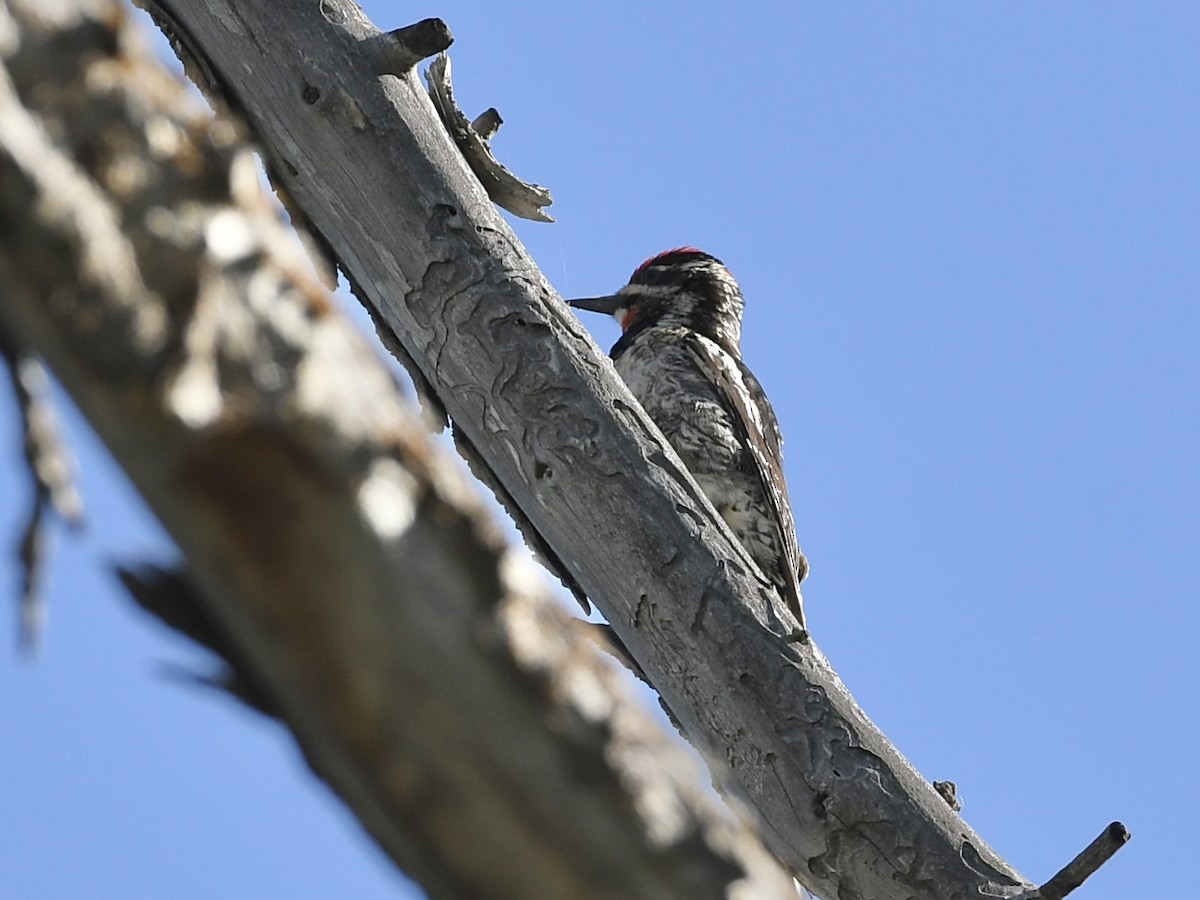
{"x": 609, "y": 304}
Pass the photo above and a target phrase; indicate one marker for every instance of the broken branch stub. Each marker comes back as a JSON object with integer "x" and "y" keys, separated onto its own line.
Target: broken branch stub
{"x": 507, "y": 190}
{"x": 1083, "y": 866}
{"x": 397, "y": 51}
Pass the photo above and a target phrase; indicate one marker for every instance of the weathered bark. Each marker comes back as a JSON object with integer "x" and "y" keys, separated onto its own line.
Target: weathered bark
{"x": 479, "y": 737}
{"x": 367, "y": 161}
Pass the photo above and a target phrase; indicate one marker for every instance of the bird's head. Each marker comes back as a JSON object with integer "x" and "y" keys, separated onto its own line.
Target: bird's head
{"x": 684, "y": 287}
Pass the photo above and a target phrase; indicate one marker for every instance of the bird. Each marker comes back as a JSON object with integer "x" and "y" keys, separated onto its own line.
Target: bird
{"x": 679, "y": 354}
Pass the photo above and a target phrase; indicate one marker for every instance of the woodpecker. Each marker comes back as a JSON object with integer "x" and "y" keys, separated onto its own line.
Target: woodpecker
{"x": 681, "y": 326}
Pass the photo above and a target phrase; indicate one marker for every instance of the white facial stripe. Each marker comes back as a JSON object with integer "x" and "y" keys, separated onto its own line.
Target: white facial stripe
{"x": 646, "y": 290}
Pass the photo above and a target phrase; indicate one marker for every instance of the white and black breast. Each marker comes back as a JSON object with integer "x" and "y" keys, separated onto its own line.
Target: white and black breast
{"x": 684, "y": 387}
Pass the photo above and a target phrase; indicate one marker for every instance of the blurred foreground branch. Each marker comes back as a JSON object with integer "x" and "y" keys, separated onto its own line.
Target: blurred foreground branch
{"x": 287, "y": 466}
{"x": 348, "y": 567}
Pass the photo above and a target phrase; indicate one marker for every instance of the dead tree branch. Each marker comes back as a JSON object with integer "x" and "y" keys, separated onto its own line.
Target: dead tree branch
{"x": 1083, "y": 866}
{"x": 544, "y": 411}
{"x": 51, "y": 469}
{"x": 541, "y": 407}
{"x": 477, "y": 735}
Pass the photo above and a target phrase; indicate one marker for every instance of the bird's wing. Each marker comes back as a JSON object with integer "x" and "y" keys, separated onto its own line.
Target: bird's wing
{"x": 736, "y": 385}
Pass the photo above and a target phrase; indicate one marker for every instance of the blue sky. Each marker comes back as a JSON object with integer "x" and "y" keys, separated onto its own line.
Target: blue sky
{"x": 969, "y": 236}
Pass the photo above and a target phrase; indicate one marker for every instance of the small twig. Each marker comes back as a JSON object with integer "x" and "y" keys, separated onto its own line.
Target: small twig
{"x": 51, "y": 470}
{"x": 396, "y": 52}
{"x": 1077, "y": 871}
{"x": 50, "y": 459}
{"x": 487, "y": 123}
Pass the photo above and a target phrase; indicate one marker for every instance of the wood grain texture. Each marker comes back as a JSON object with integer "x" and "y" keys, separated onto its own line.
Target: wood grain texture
{"x": 381, "y": 182}
{"x": 478, "y": 736}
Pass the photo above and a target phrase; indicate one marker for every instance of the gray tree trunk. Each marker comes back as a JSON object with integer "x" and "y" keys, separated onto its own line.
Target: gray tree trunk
{"x": 471, "y": 729}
